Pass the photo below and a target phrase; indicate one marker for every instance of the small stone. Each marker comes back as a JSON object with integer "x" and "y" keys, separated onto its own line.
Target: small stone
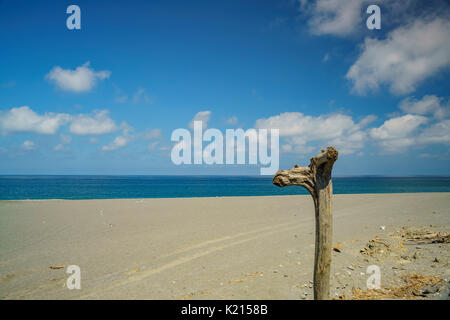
{"x": 431, "y": 289}
{"x": 337, "y": 247}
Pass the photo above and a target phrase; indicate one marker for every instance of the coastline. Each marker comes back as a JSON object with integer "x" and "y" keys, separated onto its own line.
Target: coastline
{"x": 229, "y": 197}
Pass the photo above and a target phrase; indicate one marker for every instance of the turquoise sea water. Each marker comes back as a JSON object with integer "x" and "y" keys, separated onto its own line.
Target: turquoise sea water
{"x": 117, "y": 187}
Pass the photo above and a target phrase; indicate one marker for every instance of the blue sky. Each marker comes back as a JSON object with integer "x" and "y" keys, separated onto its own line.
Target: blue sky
{"x": 105, "y": 99}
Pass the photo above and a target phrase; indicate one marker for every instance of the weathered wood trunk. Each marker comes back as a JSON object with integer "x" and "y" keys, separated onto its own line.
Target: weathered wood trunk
{"x": 316, "y": 178}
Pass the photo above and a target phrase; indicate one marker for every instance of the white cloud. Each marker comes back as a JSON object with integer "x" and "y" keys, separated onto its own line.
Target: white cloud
{"x": 232, "y": 121}
{"x": 100, "y": 123}
{"x": 28, "y": 145}
{"x": 429, "y": 104}
{"x": 23, "y": 119}
{"x": 201, "y": 116}
{"x": 120, "y": 141}
{"x": 141, "y": 96}
{"x": 410, "y": 54}
{"x": 334, "y": 17}
{"x": 152, "y": 145}
{"x": 65, "y": 140}
{"x": 398, "y": 127}
{"x": 437, "y": 133}
{"x": 301, "y": 130}
{"x": 93, "y": 140}
{"x": 121, "y": 99}
{"x": 152, "y": 134}
{"x": 59, "y": 147}
{"x": 83, "y": 78}
{"x": 397, "y": 134}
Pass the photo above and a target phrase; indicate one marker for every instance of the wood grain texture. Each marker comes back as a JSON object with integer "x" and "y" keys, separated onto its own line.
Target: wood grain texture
{"x": 316, "y": 178}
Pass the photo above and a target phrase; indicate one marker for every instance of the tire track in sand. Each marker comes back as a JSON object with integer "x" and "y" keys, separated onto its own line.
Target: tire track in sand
{"x": 229, "y": 242}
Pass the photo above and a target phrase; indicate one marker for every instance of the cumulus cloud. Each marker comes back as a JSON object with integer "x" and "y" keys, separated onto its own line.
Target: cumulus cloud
{"x": 429, "y": 104}
{"x": 152, "y": 145}
{"x": 301, "y": 130}
{"x": 425, "y": 122}
{"x": 396, "y": 134}
{"x": 232, "y": 121}
{"x": 28, "y": 145}
{"x": 409, "y": 55}
{"x": 120, "y": 141}
{"x": 65, "y": 140}
{"x": 398, "y": 127}
{"x": 82, "y": 79}
{"x": 23, "y": 119}
{"x": 152, "y": 134}
{"x": 141, "y": 96}
{"x": 334, "y": 17}
{"x": 437, "y": 133}
{"x": 203, "y": 116}
{"x": 100, "y": 123}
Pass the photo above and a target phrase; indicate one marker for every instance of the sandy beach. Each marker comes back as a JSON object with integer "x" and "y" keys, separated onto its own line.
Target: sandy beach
{"x": 212, "y": 248}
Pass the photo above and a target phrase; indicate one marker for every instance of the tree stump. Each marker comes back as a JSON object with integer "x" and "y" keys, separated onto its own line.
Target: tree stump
{"x": 316, "y": 178}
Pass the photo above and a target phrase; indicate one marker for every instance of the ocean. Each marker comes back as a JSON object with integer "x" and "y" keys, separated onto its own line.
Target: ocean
{"x": 122, "y": 187}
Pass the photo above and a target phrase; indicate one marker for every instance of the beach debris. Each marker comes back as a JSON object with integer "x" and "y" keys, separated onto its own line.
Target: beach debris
{"x": 338, "y": 247}
{"x": 377, "y": 247}
{"x": 236, "y": 281}
{"x": 411, "y": 287}
{"x": 58, "y": 267}
{"x": 316, "y": 178}
{"x": 382, "y": 228}
{"x": 132, "y": 271}
{"x": 193, "y": 294}
{"x": 253, "y": 274}
{"x": 421, "y": 235}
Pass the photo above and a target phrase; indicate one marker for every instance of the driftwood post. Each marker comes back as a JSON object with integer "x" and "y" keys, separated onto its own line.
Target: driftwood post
{"x": 316, "y": 178}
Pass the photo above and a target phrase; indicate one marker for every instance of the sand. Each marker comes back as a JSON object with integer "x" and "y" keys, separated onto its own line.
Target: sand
{"x": 209, "y": 248}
